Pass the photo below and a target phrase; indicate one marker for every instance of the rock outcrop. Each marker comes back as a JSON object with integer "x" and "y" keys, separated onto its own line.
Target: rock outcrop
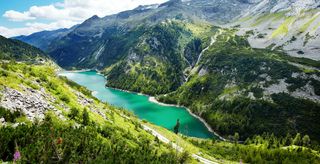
{"x": 33, "y": 103}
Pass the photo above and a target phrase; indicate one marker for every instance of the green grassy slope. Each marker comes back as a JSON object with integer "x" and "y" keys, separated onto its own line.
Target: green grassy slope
{"x": 109, "y": 137}
{"x": 77, "y": 127}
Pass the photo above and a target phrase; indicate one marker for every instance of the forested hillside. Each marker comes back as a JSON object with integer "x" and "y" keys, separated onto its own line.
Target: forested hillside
{"x": 240, "y": 89}
{"x": 18, "y": 51}
{"x": 157, "y": 62}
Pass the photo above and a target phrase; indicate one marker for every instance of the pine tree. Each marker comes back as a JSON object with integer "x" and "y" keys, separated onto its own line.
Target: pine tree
{"x": 73, "y": 113}
{"x": 176, "y": 128}
{"x": 85, "y": 117}
{"x": 236, "y": 137}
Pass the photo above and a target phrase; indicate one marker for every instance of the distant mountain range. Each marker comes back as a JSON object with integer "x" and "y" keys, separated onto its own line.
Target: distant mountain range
{"x": 43, "y": 39}
{"x": 290, "y": 25}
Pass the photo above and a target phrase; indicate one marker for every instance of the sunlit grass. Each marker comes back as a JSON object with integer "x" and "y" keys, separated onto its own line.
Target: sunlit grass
{"x": 283, "y": 29}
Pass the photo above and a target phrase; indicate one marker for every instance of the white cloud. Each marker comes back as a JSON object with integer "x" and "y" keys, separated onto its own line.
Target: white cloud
{"x": 17, "y": 16}
{"x": 10, "y": 32}
{"x": 67, "y": 13}
{"x": 35, "y": 27}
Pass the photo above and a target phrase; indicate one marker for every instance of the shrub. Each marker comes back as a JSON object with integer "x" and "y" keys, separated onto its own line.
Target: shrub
{"x": 64, "y": 98}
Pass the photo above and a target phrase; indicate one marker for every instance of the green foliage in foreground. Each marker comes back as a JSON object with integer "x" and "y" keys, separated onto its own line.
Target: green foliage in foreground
{"x": 52, "y": 142}
{"x": 9, "y": 116}
{"x": 263, "y": 149}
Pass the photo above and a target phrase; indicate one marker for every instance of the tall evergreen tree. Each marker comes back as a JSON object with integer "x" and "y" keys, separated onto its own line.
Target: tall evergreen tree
{"x": 236, "y": 137}
{"x": 176, "y": 128}
{"x": 73, "y": 113}
{"x": 85, "y": 117}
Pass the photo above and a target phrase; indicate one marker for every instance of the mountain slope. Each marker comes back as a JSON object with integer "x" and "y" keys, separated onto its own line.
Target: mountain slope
{"x": 47, "y": 118}
{"x": 108, "y": 135}
{"x": 43, "y": 39}
{"x": 156, "y": 63}
{"x": 19, "y": 51}
{"x": 93, "y": 41}
{"x": 240, "y": 89}
{"x": 67, "y": 135}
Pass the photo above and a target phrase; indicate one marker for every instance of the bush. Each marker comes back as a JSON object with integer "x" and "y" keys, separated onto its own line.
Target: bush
{"x": 74, "y": 113}
{"x": 10, "y": 116}
{"x": 65, "y": 98}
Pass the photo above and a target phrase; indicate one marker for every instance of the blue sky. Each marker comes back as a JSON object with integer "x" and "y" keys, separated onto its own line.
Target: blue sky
{"x": 23, "y": 17}
{"x": 19, "y": 5}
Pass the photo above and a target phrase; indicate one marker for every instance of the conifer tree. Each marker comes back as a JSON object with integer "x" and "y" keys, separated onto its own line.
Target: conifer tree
{"x": 85, "y": 117}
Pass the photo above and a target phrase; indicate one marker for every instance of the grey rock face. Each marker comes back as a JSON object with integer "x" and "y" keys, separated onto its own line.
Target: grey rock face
{"x": 291, "y": 25}
{"x": 33, "y": 103}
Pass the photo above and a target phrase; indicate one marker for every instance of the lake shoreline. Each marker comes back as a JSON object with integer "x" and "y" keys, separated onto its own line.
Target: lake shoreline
{"x": 154, "y": 100}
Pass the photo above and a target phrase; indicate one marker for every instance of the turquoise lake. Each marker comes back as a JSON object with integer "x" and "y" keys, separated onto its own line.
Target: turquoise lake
{"x": 165, "y": 116}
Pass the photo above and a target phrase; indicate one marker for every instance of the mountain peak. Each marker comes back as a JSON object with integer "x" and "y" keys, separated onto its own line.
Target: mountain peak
{"x": 94, "y": 17}
{"x": 171, "y": 3}
{"x": 147, "y": 7}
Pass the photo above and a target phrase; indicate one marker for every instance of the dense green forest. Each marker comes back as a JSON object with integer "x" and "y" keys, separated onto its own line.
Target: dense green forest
{"x": 19, "y": 51}
{"x": 154, "y": 65}
{"x": 86, "y": 137}
{"x": 229, "y": 86}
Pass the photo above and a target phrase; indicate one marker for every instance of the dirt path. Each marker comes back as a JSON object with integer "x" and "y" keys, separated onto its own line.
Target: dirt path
{"x": 195, "y": 67}
{"x": 175, "y": 146}
{"x": 213, "y": 40}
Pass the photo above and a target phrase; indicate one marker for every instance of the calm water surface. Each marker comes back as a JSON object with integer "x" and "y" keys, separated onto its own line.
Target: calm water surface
{"x": 164, "y": 116}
